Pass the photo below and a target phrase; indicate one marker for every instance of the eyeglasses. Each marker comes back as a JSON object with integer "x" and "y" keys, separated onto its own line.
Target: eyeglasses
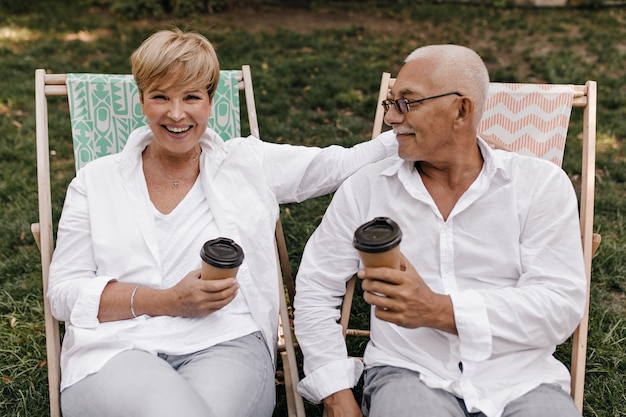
{"x": 402, "y": 105}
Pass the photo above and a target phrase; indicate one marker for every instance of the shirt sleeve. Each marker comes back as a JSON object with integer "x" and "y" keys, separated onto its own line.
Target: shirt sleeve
{"x": 73, "y": 289}
{"x": 548, "y": 301}
{"x": 327, "y": 264}
{"x": 298, "y": 173}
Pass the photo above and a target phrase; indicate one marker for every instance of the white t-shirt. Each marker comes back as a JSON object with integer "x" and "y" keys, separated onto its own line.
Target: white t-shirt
{"x": 180, "y": 235}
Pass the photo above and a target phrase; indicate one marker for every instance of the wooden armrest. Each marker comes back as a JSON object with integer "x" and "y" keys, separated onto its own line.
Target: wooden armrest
{"x": 36, "y": 234}
{"x": 595, "y": 242}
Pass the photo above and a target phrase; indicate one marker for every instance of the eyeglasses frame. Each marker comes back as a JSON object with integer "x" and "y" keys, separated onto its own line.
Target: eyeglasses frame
{"x": 387, "y": 103}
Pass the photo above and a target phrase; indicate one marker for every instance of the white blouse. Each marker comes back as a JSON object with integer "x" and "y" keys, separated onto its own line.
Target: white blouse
{"x": 107, "y": 232}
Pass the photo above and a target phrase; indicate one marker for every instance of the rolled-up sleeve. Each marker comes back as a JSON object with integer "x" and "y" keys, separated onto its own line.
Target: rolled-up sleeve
{"x": 298, "y": 173}
{"x": 73, "y": 289}
{"x": 331, "y": 378}
{"x": 329, "y": 260}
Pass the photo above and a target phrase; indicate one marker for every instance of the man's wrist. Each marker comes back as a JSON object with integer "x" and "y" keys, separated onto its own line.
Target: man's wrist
{"x": 338, "y": 397}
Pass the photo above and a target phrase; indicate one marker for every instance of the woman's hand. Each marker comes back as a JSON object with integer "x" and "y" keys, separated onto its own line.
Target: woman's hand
{"x": 194, "y": 297}
{"x": 191, "y": 297}
{"x": 495, "y": 143}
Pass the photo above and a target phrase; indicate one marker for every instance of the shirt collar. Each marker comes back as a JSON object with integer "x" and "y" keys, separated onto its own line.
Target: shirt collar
{"x": 140, "y": 138}
{"x": 493, "y": 162}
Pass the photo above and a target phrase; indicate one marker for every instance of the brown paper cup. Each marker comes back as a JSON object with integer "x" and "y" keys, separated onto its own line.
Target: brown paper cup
{"x": 211, "y": 272}
{"x": 221, "y": 258}
{"x": 389, "y": 259}
{"x": 378, "y": 243}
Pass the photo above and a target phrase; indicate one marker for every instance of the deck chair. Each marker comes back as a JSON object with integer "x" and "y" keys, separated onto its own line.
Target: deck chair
{"x": 532, "y": 119}
{"x": 104, "y": 109}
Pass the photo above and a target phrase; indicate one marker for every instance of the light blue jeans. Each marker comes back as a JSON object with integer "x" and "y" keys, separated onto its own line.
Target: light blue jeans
{"x": 391, "y": 392}
{"x": 232, "y": 379}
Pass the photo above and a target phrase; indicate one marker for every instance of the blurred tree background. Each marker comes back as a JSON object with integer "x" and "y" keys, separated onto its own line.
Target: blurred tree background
{"x": 136, "y": 9}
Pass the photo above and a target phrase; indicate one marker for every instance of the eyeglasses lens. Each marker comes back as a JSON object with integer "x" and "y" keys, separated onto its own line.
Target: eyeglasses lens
{"x": 402, "y": 106}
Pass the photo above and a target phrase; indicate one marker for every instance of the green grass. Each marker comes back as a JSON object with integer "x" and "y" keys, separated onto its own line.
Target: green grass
{"x": 313, "y": 87}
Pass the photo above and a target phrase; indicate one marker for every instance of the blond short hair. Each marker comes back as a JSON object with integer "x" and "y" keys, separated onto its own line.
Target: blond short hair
{"x": 187, "y": 58}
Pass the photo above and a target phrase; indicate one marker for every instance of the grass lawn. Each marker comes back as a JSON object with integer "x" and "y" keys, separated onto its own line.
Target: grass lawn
{"x": 316, "y": 75}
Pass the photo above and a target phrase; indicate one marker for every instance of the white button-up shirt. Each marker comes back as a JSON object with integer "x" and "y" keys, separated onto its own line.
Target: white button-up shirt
{"x": 509, "y": 255}
{"x": 107, "y": 232}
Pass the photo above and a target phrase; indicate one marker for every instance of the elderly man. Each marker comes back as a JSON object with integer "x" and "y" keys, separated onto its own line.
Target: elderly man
{"x": 491, "y": 276}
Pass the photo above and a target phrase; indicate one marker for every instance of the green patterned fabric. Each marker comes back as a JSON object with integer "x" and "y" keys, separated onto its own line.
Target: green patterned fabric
{"x": 105, "y": 108}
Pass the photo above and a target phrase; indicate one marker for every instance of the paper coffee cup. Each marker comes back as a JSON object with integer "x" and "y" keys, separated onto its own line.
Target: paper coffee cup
{"x": 221, "y": 258}
{"x": 378, "y": 243}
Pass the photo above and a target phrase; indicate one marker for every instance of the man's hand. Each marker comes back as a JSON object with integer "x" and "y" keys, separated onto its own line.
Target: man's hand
{"x": 342, "y": 404}
{"x": 402, "y": 297}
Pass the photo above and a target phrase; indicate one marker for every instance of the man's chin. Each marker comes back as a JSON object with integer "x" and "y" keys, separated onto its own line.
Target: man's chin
{"x": 406, "y": 155}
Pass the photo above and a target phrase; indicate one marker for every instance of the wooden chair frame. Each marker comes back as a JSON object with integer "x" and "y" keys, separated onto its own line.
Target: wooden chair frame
{"x": 47, "y": 85}
{"x": 585, "y": 96}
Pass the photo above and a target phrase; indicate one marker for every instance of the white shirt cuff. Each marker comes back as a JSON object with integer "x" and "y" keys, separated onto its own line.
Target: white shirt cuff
{"x": 331, "y": 378}
{"x": 85, "y": 311}
{"x": 472, "y": 323}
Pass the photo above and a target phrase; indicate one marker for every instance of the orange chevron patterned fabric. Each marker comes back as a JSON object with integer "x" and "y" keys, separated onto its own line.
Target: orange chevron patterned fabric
{"x": 532, "y": 119}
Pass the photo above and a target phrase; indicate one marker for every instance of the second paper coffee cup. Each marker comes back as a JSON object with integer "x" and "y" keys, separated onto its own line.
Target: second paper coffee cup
{"x": 221, "y": 258}
{"x": 378, "y": 243}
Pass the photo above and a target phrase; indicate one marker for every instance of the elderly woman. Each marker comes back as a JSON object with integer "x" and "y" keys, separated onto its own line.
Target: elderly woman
{"x": 145, "y": 336}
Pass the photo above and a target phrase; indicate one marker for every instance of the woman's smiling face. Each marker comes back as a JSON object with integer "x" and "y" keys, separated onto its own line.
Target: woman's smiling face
{"x": 178, "y": 116}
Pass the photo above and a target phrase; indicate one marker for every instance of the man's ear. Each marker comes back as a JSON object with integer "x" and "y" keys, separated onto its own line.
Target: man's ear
{"x": 466, "y": 109}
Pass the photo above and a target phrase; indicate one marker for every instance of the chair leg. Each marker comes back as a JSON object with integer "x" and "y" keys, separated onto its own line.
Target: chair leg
{"x": 290, "y": 368}
{"x": 289, "y": 393}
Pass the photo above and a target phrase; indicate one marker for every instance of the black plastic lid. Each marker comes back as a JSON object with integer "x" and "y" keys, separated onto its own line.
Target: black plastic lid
{"x": 377, "y": 235}
{"x": 222, "y": 253}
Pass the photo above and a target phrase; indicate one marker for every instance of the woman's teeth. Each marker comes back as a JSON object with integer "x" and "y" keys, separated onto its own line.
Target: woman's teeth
{"x": 178, "y": 129}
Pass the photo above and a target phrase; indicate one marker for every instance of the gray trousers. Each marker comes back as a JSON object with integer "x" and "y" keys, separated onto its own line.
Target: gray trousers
{"x": 232, "y": 379}
{"x": 393, "y": 392}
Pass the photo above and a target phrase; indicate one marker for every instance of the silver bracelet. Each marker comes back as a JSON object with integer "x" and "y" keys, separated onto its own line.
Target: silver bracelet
{"x": 132, "y": 301}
